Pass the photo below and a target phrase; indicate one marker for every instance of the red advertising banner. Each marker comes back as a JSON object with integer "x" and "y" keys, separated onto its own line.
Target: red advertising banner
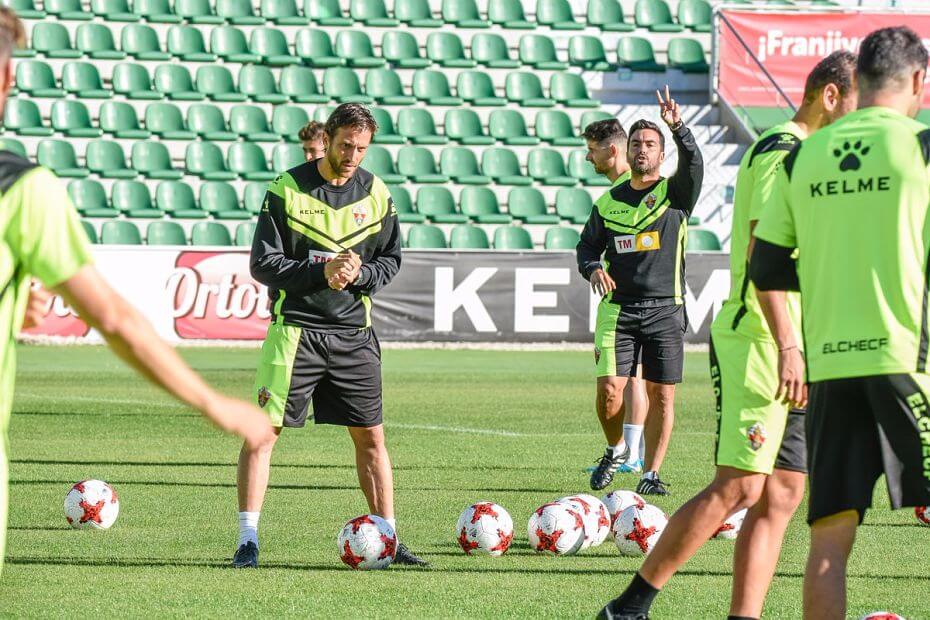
{"x": 788, "y": 45}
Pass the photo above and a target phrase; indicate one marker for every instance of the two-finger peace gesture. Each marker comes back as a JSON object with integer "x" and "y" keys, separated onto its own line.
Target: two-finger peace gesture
{"x": 671, "y": 111}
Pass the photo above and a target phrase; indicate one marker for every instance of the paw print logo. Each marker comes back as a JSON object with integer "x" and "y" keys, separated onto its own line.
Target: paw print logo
{"x": 849, "y": 155}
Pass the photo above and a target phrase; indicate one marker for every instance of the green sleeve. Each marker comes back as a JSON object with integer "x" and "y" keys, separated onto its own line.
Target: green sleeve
{"x": 765, "y": 170}
{"x": 776, "y": 224}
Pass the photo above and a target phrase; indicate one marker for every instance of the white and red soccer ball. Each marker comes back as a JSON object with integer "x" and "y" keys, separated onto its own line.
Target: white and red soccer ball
{"x": 618, "y": 501}
{"x": 595, "y": 515}
{"x": 731, "y": 527}
{"x": 637, "y": 530}
{"x": 367, "y": 542}
{"x": 881, "y": 615}
{"x": 556, "y": 528}
{"x": 91, "y": 504}
{"x": 484, "y": 528}
{"x": 923, "y": 514}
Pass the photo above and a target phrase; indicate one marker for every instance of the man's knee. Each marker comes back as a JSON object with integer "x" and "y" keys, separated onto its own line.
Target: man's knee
{"x": 368, "y": 438}
{"x": 264, "y": 448}
{"x": 661, "y": 396}
{"x": 784, "y": 491}
{"x": 610, "y": 392}
{"x": 738, "y": 490}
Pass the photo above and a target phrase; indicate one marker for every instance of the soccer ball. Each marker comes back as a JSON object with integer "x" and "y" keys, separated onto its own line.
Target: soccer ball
{"x": 731, "y": 527}
{"x": 594, "y": 513}
{"x": 881, "y": 615}
{"x": 556, "y": 528}
{"x": 484, "y": 527}
{"x": 923, "y": 514}
{"x": 91, "y": 505}
{"x": 367, "y": 543}
{"x": 637, "y": 530}
{"x": 618, "y": 501}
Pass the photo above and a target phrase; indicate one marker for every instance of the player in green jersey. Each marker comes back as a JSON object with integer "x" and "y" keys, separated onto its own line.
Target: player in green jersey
{"x": 311, "y": 138}
{"x": 41, "y": 237}
{"x": 756, "y": 468}
{"x": 853, "y": 200}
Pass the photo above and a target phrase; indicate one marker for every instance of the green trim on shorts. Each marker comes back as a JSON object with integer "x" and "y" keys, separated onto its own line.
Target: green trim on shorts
{"x": 366, "y": 301}
{"x": 605, "y": 338}
{"x": 275, "y": 366}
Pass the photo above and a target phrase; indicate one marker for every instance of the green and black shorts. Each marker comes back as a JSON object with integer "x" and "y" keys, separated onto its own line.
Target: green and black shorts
{"x": 339, "y": 374}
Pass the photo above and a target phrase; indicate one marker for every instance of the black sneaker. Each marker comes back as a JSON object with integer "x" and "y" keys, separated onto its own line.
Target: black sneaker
{"x": 246, "y": 556}
{"x": 607, "y": 466}
{"x": 612, "y": 611}
{"x": 652, "y": 486}
{"x": 405, "y": 556}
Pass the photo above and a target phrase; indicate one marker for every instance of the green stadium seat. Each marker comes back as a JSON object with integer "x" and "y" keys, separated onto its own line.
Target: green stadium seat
{"x": 89, "y": 231}
{"x": 655, "y": 15}
{"x": 257, "y": 83}
{"x": 385, "y": 87}
{"x": 207, "y": 121}
{"x": 286, "y": 156}
{"x": 509, "y": 127}
{"x": 555, "y": 127}
{"x": 287, "y": 120}
{"x": 322, "y": 113}
{"x": 141, "y": 42}
{"x": 509, "y": 14}
{"x": 512, "y": 238}
{"x": 528, "y": 205}
{"x": 228, "y": 42}
{"x": 151, "y": 160}
{"x": 416, "y": 14}
{"x": 491, "y": 51}
{"x": 196, "y": 12}
{"x": 25, "y": 9}
{"x": 608, "y": 16}
{"x": 636, "y": 53}
{"x": 244, "y": 234}
{"x": 248, "y": 161}
{"x": 548, "y": 168}
{"x": 13, "y": 146}
{"x": 573, "y": 204}
{"x": 216, "y": 82}
{"x": 561, "y": 238}
{"x": 464, "y": 126}
{"x": 220, "y": 200}
{"x": 298, "y": 84}
{"x": 695, "y": 15}
{"x": 355, "y": 48}
{"x": 22, "y": 117}
{"x": 132, "y": 198}
{"x": 432, "y": 87}
{"x": 468, "y": 237}
{"x": 417, "y": 164}
{"x": 59, "y": 157}
{"x": 557, "y": 14}
{"x": 106, "y": 159}
{"x": 282, "y": 13}
{"x": 315, "y": 49}
{"x": 120, "y": 232}
{"x": 237, "y": 13}
{"x": 83, "y": 79}
{"x": 210, "y": 233}
{"x": 387, "y": 134}
{"x": 463, "y": 13}
{"x": 175, "y": 82}
{"x": 156, "y": 11}
{"x": 476, "y": 88}
{"x": 52, "y": 40}
{"x": 165, "y": 233}
{"x": 588, "y": 53}
{"x": 426, "y": 237}
{"x": 342, "y": 84}
{"x": 569, "y": 90}
{"x": 35, "y": 78}
{"x": 400, "y": 48}
{"x": 687, "y": 55}
{"x": 113, "y": 10}
{"x": 371, "y": 13}
{"x": 187, "y": 44}
{"x": 90, "y": 199}
{"x": 271, "y": 46}
{"x": 591, "y": 116}
{"x": 119, "y": 119}
{"x": 165, "y": 121}
{"x": 445, "y": 49}
{"x": 526, "y": 90}
{"x": 404, "y": 205}
{"x": 176, "y": 198}
{"x": 461, "y": 165}
{"x": 72, "y": 119}
{"x": 480, "y": 205}
{"x": 67, "y": 10}
{"x": 417, "y": 126}
{"x": 694, "y": 221}
{"x": 133, "y": 82}
{"x": 96, "y": 41}
{"x": 326, "y": 13}
{"x": 501, "y": 165}
{"x": 581, "y": 169}
{"x": 437, "y": 204}
{"x": 702, "y": 240}
{"x": 205, "y": 160}
{"x": 538, "y": 51}
{"x": 254, "y": 196}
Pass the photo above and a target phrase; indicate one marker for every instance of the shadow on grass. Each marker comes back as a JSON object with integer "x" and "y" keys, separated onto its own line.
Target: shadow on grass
{"x": 37, "y": 528}
{"x": 108, "y": 414}
{"x": 463, "y": 468}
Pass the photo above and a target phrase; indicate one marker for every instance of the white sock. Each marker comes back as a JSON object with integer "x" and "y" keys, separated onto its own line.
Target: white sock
{"x": 248, "y": 527}
{"x": 618, "y": 449}
{"x": 393, "y": 523}
{"x": 633, "y": 436}
{"x": 642, "y": 446}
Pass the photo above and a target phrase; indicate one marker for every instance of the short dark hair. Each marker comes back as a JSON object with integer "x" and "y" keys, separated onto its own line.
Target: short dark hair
{"x": 888, "y": 56}
{"x": 644, "y": 124}
{"x": 605, "y": 130}
{"x": 838, "y": 68}
{"x": 350, "y": 115}
{"x": 12, "y": 32}
{"x": 311, "y": 131}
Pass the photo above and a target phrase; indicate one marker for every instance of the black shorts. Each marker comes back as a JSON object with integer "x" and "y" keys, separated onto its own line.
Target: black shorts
{"x": 792, "y": 455}
{"x": 861, "y": 428}
{"x": 653, "y": 336}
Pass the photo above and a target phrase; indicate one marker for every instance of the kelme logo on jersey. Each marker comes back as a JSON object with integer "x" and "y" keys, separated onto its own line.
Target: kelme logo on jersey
{"x": 263, "y": 396}
{"x": 849, "y": 155}
{"x": 643, "y": 242}
{"x": 360, "y": 213}
{"x": 756, "y": 436}
{"x": 850, "y": 159}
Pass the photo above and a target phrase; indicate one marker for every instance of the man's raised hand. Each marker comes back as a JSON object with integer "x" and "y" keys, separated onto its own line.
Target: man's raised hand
{"x": 670, "y": 110}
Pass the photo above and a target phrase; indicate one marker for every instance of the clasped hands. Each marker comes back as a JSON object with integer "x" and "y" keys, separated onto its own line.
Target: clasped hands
{"x": 343, "y": 270}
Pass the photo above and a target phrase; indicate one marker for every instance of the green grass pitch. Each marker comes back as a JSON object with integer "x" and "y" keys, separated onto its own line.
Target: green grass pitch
{"x": 516, "y": 428}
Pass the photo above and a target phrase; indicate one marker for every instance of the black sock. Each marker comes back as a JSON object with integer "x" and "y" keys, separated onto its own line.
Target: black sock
{"x": 741, "y": 618}
{"x": 638, "y": 596}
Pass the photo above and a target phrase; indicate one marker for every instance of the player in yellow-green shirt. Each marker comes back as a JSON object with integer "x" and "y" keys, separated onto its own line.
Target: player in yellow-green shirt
{"x": 41, "y": 237}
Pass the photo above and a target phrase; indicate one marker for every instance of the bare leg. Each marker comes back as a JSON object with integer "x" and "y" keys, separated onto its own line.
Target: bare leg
{"x": 252, "y": 474}
{"x": 825, "y": 579}
{"x": 374, "y": 469}
{"x": 659, "y": 423}
{"x": 609, "y": 403}
{"x": 635, "y": 397}
{"x": 759, "y": 543}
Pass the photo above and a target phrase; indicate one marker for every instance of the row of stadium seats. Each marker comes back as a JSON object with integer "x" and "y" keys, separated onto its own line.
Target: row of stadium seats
{"x": 354, "y": 48}
{"x": 607, "y": 15}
